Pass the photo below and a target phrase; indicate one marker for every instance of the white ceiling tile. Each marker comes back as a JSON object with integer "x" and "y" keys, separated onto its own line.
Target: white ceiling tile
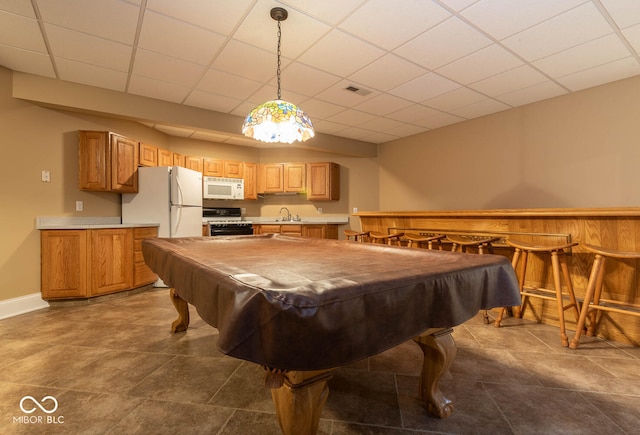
{"x": 502, "y": 18}
{"x": 617, "y": 70}
{"x": 508, "y": 81}
{"x": 341, "y": 54}
{"x": 88, "y": 49}
{"x": 383, "y": 104}
{"x": 481, "y": 64}
{"x": 355, "y": 133}
{"x": 452, "y": 100}
{"x": 448, "y": 41}
{"x": 632, "y": 34}
{"x": 564, "y": 31}
{"x": 110, "y": 19}
{"x": 328, "y": 127}
{"x": 485, "y": 107}
{"x": 178, "y": 39}
{"x": 157, "y": 89}
{"x": 584, "y": 56}
{"x": 243, "y": 110}
{"x": 424, "y": 116}
{"x": 380, "y": 124}
{"x": 217, "y": 103}
{"x": 299, "y": 31}
{"x": 624, "y": 12}
{"x": 389, "y": 26}
{"x": 318, "y": 109}
{"x": 268, "y": 92}
{"x": 229, "y": 85}
{"x": 247, "y": 61}
{"x": 219, "y": 16}
{"x": 338, "y": 94}
{"x": 27, "y": 61}
{"x": 167, "y": 69}
{"x": 458, "y": 5}
{"x": 351, "y": 117}
{"x": 330, "y": 11}
{"x": 305, "y": 80}
{"x": 424, "y": 87}
{"x": 376, "y": 75}
{"x": 92, "y": 75}
{"x": 20, "y": 7}
{"x": 537, "y": 92}
{"x": 21, "y": 32}
{"x": 407, "y": 130}
{"x": 379, "y": 138}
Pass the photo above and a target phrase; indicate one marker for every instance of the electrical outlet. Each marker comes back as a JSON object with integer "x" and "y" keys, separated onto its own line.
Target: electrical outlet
{"x": 46, "y": 177}
{"x": 355, "y": 209}
{"x": 79, "y": 205}
{"x": 319, "y": 210}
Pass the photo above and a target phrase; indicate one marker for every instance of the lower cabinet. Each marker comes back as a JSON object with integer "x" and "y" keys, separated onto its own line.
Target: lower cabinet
{"x": 93, "y": 262}
{"x": 319, "y": 231}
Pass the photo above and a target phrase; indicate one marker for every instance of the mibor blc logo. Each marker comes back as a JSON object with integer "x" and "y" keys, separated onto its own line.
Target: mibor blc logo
{"x": 29, "y": 405}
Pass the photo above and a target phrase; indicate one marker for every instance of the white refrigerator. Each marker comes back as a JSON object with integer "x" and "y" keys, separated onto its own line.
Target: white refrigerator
{"x": 170, "y": 196}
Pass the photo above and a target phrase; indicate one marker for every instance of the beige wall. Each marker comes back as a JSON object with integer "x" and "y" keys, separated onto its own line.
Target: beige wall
{"x": 34, "y": 138}
{"x": 578, "y": 150}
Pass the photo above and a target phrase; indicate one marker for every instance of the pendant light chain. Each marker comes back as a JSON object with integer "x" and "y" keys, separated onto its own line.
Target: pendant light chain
{"x": 278, "y": 70}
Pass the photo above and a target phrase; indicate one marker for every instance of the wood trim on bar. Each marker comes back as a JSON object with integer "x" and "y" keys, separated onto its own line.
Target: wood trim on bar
{"x": 523, "y": 212}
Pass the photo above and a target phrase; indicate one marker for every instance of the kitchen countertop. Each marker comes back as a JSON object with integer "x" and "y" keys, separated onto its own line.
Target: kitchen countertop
{"x": 322, "y": 220}
{"x": 84, "y": 223}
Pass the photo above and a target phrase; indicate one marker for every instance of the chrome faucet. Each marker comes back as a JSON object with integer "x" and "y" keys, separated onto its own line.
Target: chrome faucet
{"x": 288, "y": 218}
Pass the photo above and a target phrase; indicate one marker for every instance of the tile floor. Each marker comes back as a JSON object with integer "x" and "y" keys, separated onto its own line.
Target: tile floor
{"x": 114, "y": 367}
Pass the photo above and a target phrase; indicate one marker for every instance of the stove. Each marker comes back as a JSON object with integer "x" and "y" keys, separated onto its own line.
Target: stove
{"x": 226, "y": 221}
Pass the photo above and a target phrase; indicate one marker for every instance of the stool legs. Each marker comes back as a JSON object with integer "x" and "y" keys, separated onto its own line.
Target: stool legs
{"x": 559, "y": 263}
{"x": 514, "y": 263}
{"x": 594, "y": 289}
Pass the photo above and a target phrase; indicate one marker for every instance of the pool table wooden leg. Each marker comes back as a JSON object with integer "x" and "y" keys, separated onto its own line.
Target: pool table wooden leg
{"x": 298, "y": 397}
{"x": 439, "y": 350}
{"x": 182, "y": 322}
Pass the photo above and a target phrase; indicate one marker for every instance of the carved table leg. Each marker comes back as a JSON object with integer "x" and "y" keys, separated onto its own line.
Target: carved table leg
{"x": 439, "y": 350}
{"x": 298, "y": 398}
{"x": 182, "y": 322}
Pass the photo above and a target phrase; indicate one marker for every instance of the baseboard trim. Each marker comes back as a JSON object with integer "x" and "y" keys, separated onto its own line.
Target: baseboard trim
{"x": 22, "y": 304}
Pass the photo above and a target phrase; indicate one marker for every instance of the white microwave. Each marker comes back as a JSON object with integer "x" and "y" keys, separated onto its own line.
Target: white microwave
{"x": 222, "y": 188}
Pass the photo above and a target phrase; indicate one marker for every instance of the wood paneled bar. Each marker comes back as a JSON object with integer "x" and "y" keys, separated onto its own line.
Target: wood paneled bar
{"x": 615, "y": 228}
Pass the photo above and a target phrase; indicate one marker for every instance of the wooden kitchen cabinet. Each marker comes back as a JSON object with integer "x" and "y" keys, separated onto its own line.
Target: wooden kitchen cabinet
{"x": 281, "y": 178}
{"x": 165, "y": 157}
{"x": 250, "y": 176}
{"x": 222, "y": 168}
{"x": 142, "y": 275}
{"x": 179, "y": 160}
{"x": 93, "y": 262}
{"x": 148, "y": 155}
{"x": 195, "y": 163}
{"x": 320, "y": 231}
{"x": 107, "y": 162}
{"x": 323, "y": 181}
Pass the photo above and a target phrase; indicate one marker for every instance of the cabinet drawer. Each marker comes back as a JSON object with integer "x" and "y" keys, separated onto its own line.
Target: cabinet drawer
{"x": 142, "y": 275}
{"x": 145, "y": 232}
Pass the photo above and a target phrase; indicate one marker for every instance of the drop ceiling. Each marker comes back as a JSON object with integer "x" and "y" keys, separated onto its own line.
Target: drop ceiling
{"x": 417, "y": 65}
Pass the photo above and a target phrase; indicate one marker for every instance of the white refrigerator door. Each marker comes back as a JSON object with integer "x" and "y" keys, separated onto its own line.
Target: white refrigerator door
{"x": 186, "y": 187}
{"x": 186, "y": 221}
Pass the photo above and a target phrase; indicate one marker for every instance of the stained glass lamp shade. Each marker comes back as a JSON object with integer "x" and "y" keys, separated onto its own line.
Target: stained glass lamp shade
{"x": 278, "y": 121}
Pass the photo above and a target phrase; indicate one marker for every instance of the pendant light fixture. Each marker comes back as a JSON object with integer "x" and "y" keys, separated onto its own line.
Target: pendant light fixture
{"x": 278, "y": 120}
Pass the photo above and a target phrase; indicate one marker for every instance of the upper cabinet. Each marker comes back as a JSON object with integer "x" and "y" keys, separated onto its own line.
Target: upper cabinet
{"x": 250, "y": 176}
{"x": 195, "y": 163}
{"x": 282, "y": 178}
{"x": 323, "y": 181}
{"x": 222, "y": 168}
{"x": 165, "y": 157}
{"x": 107, "y": 162}
{"x": 148, "y": 155}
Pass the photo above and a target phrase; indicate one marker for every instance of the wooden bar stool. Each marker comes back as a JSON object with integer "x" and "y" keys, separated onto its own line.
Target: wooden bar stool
{"x": 389, "y": 239}
{"x": 416, "y": 240}
{"x": 560, "y": 269}
{"x": 358, "y": 236}
{"x": 594, "y": 291}
{"x": 462, "y": 243}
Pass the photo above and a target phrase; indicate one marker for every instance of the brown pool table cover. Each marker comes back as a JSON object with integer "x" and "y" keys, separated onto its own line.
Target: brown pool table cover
{"x": 308, "y": 304}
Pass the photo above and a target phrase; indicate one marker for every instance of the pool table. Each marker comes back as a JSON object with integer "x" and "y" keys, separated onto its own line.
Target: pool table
{"x": 301, "y": 307}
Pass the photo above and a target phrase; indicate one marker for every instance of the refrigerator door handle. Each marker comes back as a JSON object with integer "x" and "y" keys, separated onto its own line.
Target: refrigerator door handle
{"x": 180, "y": 197}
